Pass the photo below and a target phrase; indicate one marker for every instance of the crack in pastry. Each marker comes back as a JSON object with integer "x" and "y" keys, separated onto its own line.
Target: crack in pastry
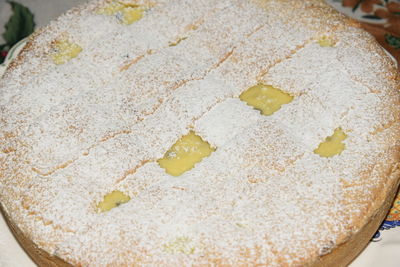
{"x": 155, "y": 108}
{"x": 139, "y": 118}
{"x": 113, "y": 135}
{"x": 290, "y": 55}
{"x": 221, "y": 62}
{"x": 190, "y": 27}
{"x": 201, "y": 77}
{"x": 133, "y": 170}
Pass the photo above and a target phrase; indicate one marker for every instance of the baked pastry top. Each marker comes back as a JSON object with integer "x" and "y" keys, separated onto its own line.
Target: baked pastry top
{"x": 198, "y": 132}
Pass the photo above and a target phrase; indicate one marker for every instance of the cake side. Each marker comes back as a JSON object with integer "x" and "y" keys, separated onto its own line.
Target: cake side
{"x": 38, "y": 255}
{"x": 341, "y": 255}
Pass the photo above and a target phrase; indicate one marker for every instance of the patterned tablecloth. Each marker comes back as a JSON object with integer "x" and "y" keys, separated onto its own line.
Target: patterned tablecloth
{"x": 380, "y": 17}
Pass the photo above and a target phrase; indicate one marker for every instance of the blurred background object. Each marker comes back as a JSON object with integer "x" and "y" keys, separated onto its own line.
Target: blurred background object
{"x": 381, "y": 18}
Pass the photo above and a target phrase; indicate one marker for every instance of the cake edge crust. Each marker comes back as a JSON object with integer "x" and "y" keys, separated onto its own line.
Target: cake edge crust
{"x": 342, "y": 255}
{"x": 38, "y": 255}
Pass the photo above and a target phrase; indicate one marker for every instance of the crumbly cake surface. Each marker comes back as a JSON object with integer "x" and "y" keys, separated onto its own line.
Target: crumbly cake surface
{"x": 72, "y": 133}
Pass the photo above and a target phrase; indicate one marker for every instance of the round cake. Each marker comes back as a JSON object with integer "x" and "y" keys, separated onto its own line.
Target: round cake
{"x": 209, "y": 132}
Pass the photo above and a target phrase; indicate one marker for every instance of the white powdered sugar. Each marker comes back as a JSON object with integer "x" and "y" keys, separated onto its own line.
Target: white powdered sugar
{"x": 73, "y": 133}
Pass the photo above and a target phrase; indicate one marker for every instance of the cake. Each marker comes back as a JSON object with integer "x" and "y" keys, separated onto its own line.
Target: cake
{"x": 210, "y": 132}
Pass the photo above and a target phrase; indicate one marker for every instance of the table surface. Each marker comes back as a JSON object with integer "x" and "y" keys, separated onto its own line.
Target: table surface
{"x": 380, "y": 18}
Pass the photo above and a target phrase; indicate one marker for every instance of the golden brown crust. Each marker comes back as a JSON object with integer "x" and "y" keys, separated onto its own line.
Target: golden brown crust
{"x": 342, "y": 255}
{"x": 22, "y": 54}
{"x": 39, "y": 256}
{"x": 346, "y": 252}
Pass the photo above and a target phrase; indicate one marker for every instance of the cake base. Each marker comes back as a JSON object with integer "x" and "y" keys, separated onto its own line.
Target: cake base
{"x": 346, "y": 252}
{"x": 39, "y": 256}
{"x": 342, "y": 255}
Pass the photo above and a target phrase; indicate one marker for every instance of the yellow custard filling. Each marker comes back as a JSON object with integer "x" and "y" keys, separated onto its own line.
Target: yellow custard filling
{"x": 326, "y": 41}
{"x": 126, "y": 13}
{"x": 333, "y": 144}
{"x": 112, "y": 200}
{"x": 265, "y": 98}
{"x": 131, "y": 15}
{"x": 179, "y": 245}
{"x": 64, "y": 51}
{"x": 184, "y": 154}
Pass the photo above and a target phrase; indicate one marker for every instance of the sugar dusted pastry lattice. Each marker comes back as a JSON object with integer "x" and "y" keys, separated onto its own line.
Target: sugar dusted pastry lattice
{"x": 278, "y": 120}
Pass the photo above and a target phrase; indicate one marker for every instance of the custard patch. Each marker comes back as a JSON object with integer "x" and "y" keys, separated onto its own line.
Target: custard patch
{"x": 112, "y": 200}
{"x": 326, "y": 41}
{"x": 184, "y": 154}
{"x": 333, "y": 144}
{"x": 64, "y": 51}
{"x": 179, "y": 245}
{"x": 126, "y": 13}
{"x": 265, "y": 98}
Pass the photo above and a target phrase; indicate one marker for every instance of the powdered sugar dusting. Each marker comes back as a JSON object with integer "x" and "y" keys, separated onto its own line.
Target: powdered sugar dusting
{"x": 73, "y": 133}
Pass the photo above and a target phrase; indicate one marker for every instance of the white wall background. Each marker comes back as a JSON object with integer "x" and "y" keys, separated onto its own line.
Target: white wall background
{"x": 44, "y": 10}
